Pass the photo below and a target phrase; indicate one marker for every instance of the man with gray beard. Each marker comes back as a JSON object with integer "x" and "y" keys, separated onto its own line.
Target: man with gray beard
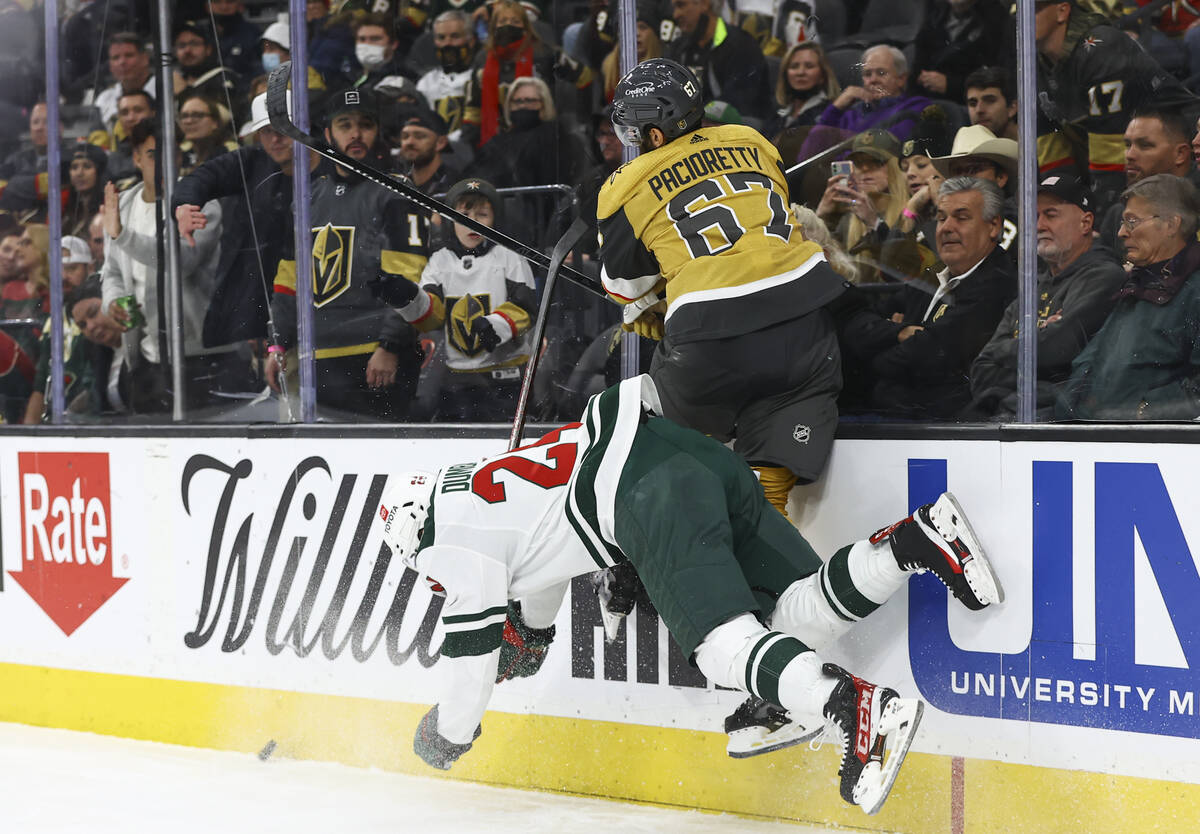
{"x": 1075, "y": 295}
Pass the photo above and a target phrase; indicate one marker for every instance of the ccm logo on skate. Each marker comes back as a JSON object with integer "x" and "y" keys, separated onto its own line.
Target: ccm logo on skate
{"x": 66, "y": 535}
{"x": 862, "y": 740}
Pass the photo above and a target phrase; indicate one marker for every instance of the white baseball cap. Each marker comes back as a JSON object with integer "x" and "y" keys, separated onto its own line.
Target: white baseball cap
{"x": 258, "y": 115}
{"x": 75, "y": 251}
{"x": 279, "y": 33}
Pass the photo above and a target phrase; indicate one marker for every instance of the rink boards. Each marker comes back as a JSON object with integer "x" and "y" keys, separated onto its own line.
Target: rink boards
{"x": 226, "y": 592}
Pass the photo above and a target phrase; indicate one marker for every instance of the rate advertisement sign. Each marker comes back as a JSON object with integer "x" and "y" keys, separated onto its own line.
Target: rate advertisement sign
{"x": 66, "y": 555}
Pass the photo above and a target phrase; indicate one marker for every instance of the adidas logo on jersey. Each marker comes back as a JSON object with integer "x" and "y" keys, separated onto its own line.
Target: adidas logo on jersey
{"x": 696, "y": 137}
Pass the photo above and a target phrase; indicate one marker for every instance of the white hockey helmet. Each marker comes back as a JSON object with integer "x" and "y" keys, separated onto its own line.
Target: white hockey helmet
{"x": 404, "y": 509}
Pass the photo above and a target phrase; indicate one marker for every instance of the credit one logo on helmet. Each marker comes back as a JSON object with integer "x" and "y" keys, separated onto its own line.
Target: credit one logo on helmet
{"x": 66, "y": 534}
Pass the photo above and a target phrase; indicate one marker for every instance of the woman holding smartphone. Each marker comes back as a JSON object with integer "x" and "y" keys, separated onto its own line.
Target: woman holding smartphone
{"x": 863, "y": 204}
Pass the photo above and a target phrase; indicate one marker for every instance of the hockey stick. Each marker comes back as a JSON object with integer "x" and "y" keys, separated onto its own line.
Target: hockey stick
{"x": 282, "y": 122}
{"x": 564, "y": 245}
{"x": 894, "y": 119}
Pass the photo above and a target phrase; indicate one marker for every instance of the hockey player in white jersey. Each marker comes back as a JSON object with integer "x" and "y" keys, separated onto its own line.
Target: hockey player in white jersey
{"x": 624, "y": 484}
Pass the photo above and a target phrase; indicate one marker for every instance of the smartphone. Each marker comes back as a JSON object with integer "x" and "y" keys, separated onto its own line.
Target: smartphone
{"x": 844, "y": 168}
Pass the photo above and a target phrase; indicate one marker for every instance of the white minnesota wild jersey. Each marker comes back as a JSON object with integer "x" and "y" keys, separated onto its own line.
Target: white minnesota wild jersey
{"x": 518, "y": 525}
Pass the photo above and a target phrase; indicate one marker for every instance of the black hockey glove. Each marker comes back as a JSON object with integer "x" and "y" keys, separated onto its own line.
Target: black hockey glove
{"x": 393, "y": 290}
{"x": 486, "y": 335}
{"x": 617, "y": 589}
{"x": 437, "y": 751}
{"x": 522, "y": 649}
{"x": 567, "y": 68}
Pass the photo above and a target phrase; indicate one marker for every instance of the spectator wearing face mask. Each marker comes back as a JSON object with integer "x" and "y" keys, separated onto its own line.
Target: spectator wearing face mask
{"x": 513, "y": 50}
{"x": 536, "y": 149}
{"x": 376, "y": 52}
{"x": 276, "y": 49}
{"x": 445, "y": 86}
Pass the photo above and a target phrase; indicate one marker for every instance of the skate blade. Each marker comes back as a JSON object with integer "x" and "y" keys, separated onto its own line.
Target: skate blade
{"x": 612, "y": 623}
{"x": 754, "y": 741}
{"x": 898, "y": 724}
{"x": 978, "y": 570}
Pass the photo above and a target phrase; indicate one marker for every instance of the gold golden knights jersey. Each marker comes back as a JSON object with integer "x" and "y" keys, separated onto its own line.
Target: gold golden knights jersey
{"x": 709, "y": 213}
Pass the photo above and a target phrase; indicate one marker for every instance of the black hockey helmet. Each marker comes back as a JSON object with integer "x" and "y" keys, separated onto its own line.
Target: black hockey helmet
{"x": 657, "y": 93}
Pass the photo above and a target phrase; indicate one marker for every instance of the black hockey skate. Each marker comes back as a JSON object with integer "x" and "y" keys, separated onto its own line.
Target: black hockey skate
{"x": 875, "y": 728}
{"x": 938, "y": 538}
{"x": 759, "y": 726}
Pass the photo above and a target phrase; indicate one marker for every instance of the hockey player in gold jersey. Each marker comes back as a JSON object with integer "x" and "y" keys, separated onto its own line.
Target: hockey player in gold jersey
{"x": 747, "y": 352}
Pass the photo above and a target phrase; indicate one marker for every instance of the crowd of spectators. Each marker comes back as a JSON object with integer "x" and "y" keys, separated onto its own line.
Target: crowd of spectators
{"x": 898, "y": 136}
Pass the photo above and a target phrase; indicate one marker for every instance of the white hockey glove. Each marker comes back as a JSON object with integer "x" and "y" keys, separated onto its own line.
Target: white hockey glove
{"x": 645, "y": 316}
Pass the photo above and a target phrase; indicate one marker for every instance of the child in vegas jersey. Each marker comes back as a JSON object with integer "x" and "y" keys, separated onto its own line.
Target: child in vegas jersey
{"x": 482, "y": 295}
{"x": 744, "y": 595}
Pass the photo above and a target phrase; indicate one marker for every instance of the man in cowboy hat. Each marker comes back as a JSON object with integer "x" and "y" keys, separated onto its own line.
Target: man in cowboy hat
{"x": 979, "y": 153}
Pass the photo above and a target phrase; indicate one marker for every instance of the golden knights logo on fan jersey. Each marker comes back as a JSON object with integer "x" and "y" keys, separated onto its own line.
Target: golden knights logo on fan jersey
{"x": 463, "y": 312}
{"x": 450, "y": 109}
{"x": 333, "y": 261}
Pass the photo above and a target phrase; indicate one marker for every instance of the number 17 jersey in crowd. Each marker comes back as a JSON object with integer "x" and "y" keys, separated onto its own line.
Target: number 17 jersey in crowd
{"x": 709, "y": 212}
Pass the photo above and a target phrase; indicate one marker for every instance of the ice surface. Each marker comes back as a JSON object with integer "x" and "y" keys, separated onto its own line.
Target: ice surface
{"x": 57, "y": 781}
